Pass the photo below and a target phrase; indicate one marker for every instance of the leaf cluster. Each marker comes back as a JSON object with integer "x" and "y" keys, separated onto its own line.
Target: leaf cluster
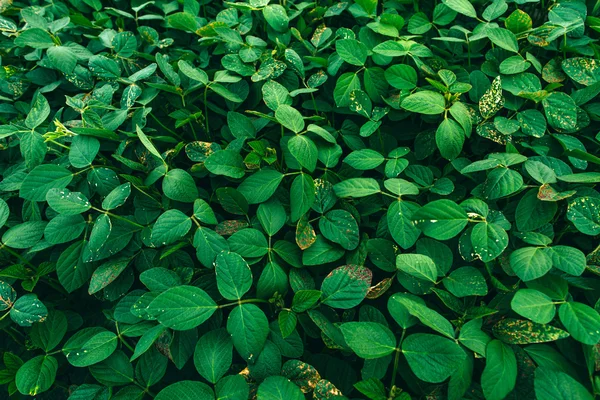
{"x": 289, "y": 200}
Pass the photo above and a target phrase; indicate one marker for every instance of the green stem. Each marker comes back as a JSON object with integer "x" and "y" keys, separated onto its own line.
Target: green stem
{"x": 12, "y": 334}
{"x": 172, "y": 132}
{"x": 126, "y": 344}
{"x": 115, "y": 216}
{"x": 207, "y": 127}
{"x": 236, "y": 303}
{"x": 193, "y": 130}
{"x": 17, "y": 255}
{"x": 389, "y": 195}
{"x": 123, "y": 340}
{"x": 396, "y": 362}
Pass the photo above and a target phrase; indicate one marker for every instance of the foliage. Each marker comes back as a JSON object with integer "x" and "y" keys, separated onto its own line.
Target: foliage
{"x": 288, "y": 200}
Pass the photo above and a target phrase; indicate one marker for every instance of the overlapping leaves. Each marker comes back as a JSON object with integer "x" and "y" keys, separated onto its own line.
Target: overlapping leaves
{"x": 300, "y": 200}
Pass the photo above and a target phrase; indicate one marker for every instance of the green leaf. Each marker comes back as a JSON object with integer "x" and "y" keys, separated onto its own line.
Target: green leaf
{"x": 532, "y": 213}
{"x": 552, "y": 384}
{"x": 42, "y": 179}
{"x": 159, "y": 279}
{"x": 427, "y": 316}
{"x": 117, "y": 197}
{"x": 449, "y": 138}
{"x": 83, "y": 151}
{"x": 272, "y": 216}
{"x": 352, "y": 51}
{"x": 36, "y": 375}
{"x": 472, "y": 337}
{"x": 500, "y": 373}
{"x": 364, "y": 159}
{"x": 584, "y": 177}
{"x": 183, "y": 21}
{"x": 321, "y": 252}
{"x": 89, "y": 346}
{"x": 106, "y": 273}
{"x": 147, "y": 340}
{"x": 432, "y": 358}
{"x": 582, "y": 322}
{"x": 584, "y": 213}
{"x": 488, "y": 240}
{"x": 340, "y": 227}
{"x": 249, "y": 243}
{"x": 182, "y": 307}
{"x": 40, "y": 110}
{"x": 234, "y": 277}
{"x": 346, "y": 286}
{"x": 259, "y": 187}
{"x": 425, "y": 102}
{"x": 302, "y": 196}
{"x": 186, "y": 390}
{"x": 213, "y": 355}
{"x": 278, "y": 388}
{"x": 345, "y": 84}
{"x": 401, "y": 76}
{"x": 289, "y": 117}
{"x": 24, "y": 235}
{"x": 232, "y": 387}
{"x": 225, "y": 162}
{"x": 240, "y": 125}
{"x": 417, "y": 265}
{"x": 63, "y": 58}
{"x": 502, "y": 182}
{"x": 568, "y": 259}
{"x": 357, "y": 187}
{"x": 530, "y": 263}
{"x": 147, "y": 143}
{"x": 104, "y": 67}
{"x": 34, "y": 37}
{"x": 503, "y": 38}
{"x": 178, "y": 185}
{"x": 560, "y": 111}
{"x": 188, "y": 70}
{"x": 466, "y": 281}
{"x": 28, "y": 310}
{"x": 440, "y": 219}
{"x": 305, "y": 299}
{"x": 518, "y": 21}
{"x": 304, "y": 150}
{"x": 403, "y": 229}
{"x": 249, "y": 328}
{"x": 116, "y": 370}
{"x": 170, "y": 227}
{"x": 461, "y": 6}
{"x": 534, "y": 305}
{"x": 204, "y": 213}
{"x": 372, "y": 388}
{"x": 276, "y": 16}
{"x": 369, "y": 339}
{"x": 72, "y": 271}
{"x": 8, "y": 296}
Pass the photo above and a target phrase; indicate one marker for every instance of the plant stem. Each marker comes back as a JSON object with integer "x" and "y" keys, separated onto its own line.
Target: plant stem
{"x": 206, "y": 112}
{"x": 396, "y": 362}
{"x": 239, "y": 302}
{"x": 17, "y": 255}
{"x": 172, "y": 132}
{"x": 115, "y": 216}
